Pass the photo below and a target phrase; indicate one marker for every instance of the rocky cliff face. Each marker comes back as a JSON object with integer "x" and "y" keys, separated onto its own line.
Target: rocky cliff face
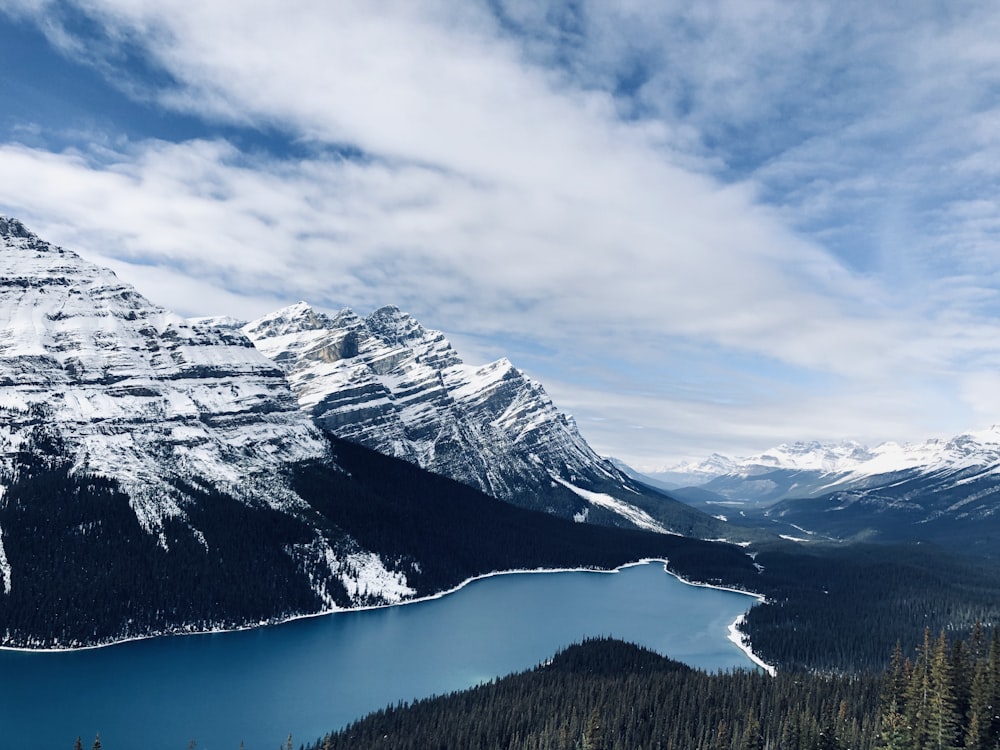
{"x": 390, "y": 384}
{"x": 133, "y": 391}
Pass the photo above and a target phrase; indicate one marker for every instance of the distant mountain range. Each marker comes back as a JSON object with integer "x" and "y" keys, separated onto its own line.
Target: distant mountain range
{"x": 946, "y": 491}
{"x": 160, "y": 475}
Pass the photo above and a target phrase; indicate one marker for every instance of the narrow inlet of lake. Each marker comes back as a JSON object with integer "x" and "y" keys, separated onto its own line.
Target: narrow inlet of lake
{"x": 314, "y": 675}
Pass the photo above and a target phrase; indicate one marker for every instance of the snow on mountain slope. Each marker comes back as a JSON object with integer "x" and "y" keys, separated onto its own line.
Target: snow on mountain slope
{"x": 160, "y": 476}
{"x": 845, "y": 464}
{"x": 638, "y": 516}
{"x": 390, "y": 384}
{"x": 979, "y": 449}
{"x": 137, "y": 392}
{"x": 947, "y": 491}
{"x": 94, "y": 375}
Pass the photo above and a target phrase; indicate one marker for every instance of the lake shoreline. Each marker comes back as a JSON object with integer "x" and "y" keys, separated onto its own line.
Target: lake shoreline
{"x": 734, "y": 634}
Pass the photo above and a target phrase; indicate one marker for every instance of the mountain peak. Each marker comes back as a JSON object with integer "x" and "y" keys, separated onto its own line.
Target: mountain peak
{"x": 289, "y": 320}
{"x": 219, "y": 321}
{"x": 10, "y": 227}
{"x": 390, "y": 384}
{"x": 394, "y": 326}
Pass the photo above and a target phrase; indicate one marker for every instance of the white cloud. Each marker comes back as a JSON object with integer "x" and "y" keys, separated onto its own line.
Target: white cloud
{"x": 590, "y": 264}
{"x": 496, "y": 196}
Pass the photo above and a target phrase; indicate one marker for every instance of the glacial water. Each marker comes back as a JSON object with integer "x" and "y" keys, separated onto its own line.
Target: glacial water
{"x": 313, "y": 675}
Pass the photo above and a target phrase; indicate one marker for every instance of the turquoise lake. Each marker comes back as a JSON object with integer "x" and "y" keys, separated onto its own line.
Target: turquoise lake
{"x": 314, "y": 675}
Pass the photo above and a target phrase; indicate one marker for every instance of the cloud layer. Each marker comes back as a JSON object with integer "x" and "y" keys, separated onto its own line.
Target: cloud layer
{"x": 703, "y": 228}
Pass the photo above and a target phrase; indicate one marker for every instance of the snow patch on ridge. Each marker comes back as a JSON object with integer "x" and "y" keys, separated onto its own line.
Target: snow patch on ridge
{"x": 639, "y": 517}
{"x": 4, "y": 564}
{"x": 365, "y": 575}
{"x": 362, "y": 574}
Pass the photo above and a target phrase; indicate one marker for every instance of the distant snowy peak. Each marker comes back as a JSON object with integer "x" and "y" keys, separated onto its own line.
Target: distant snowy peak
{"x": 809, "y": 456}
{"x": 821, "y": 458}
{"x": 819, "y": 466}
{"x": 970, "y": 450}
{"x": 219, "y": 321}
{"x": 690, "y": 474}
{"x": 388, "y": 383}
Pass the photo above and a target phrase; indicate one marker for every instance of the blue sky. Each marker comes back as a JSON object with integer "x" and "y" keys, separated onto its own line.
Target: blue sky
{"x": 709, "y": 226}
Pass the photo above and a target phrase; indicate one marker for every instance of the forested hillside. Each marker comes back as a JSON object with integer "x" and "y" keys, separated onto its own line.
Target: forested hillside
{"x": 844, "y": 607}
{"x": 947, "y": 697}
{"x": 608, "y": 695}
{"x": 604, "y": 694}
{"x": 457, "y": 532}
{"x": 85, "y": 571}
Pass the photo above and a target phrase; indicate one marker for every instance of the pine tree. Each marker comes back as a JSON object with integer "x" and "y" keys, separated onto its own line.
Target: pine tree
{"x": 78, "y": 745}
{"x": 993, "y": 686}
{"x": 962, "y": 673}
{"x": 828, "y": 738}
{"x": 943, "y": 719}
{"x": 721, "y": 739}
{"x": 893, "y": 731}
{"x": 974, "y": 734}
{"x": 565, "y": 741}
{"x": 753, "y": 736}
{"x": 917, "y": 699}
{"x": 977, "y": 643}
{"x": 97, "y": 741}
{"x": 978, "y": 736}
{"x": 593, "y": 735}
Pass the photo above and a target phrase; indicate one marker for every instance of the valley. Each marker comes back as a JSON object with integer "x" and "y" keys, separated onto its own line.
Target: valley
{"x": 943, "y": 492}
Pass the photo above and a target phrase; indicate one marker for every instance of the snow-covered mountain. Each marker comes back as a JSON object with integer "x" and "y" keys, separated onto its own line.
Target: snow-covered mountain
{"x": 836, "y": 465}
{"x": 822, "y": 458}
{"x": 118, "y": 396}
{"x": 943, "y": 490}
{"x": 158, "y": 475}
{"x": 788, "y": 470}
{"x": 388, "y": 383}
{"x": 133, "y": 391}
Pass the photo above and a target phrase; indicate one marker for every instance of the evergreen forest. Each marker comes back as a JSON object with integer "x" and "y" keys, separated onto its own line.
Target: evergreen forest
{"x": 607, "y": 695}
